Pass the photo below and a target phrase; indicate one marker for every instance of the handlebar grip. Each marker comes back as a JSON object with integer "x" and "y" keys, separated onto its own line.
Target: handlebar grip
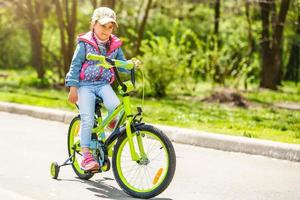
{"x": 94, "y": 57}
{"x": 123, "y": 64}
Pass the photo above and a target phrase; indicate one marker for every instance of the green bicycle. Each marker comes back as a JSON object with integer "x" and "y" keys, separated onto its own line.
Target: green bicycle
{"x": 143, "y": 157}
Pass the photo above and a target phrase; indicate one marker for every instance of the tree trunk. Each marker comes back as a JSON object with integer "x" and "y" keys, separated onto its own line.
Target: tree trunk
{"x": 271, "y": 48}
{"x": 142, "y": 28}
{"x": 71, "y": 34}
{"x": 33, "y": 12}
{"x": 37, "y": 51}
{"x": 36, "y": 33}
{"x": 66, "y": 16}
{"x": 61, "y": 25}
{"x": 217, "y": 17}
{"x": 266, "y": 80}
{"x": 108, "y": 3}
{"x": 277, "y": 42}
{"x": 218, "y": 77}
{"x": 94, "y": 4}
{"x": 251, "y": 41}
{"x": 293, "y": 65}
{"x": 292, "y": 72}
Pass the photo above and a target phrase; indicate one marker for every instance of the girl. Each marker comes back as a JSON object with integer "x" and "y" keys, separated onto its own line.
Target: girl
{"x": 86, "y": 80}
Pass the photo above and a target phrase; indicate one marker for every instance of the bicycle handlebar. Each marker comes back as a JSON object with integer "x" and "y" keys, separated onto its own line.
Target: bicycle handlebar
{"x": 108, "y": 63}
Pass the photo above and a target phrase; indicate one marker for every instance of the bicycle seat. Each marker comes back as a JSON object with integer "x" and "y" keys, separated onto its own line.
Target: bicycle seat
{"x": 98, "y": 100}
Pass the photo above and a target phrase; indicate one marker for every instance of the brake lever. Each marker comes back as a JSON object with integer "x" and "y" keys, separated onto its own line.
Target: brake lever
{"x": 139, "y": 109}
{"x": 132, "y": 74}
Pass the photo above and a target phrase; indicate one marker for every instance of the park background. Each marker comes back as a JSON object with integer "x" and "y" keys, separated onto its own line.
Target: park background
{"x": 223, "y": 66}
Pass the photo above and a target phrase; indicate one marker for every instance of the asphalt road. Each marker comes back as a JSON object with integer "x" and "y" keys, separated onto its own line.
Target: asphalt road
{"x": 28, "y": 146}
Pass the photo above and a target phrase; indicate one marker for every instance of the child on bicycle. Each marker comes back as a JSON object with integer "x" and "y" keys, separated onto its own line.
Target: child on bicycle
{"x": 86, "y": 80}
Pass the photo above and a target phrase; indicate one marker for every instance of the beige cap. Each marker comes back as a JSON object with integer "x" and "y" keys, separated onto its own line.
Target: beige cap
{"x": 104, "y": 15}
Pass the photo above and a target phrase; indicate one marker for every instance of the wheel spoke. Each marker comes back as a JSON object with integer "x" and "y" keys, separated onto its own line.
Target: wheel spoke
{"x": 139, "y": 176}
{"x": 157, "y": 155}
{"x": 149, "y": 176}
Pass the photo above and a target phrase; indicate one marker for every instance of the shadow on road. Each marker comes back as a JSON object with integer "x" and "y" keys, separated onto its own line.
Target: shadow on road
{"x": 103, "y": 190}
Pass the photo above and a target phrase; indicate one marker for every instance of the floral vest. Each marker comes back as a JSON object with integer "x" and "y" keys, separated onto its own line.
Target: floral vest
{"x": 90, "y": 72}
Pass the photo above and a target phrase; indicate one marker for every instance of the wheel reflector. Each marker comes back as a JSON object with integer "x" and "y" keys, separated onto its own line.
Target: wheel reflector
{"x": 157, "y": 176}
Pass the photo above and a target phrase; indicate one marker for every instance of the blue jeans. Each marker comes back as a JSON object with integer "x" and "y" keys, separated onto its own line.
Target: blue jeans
{"x": 86, "y": 102}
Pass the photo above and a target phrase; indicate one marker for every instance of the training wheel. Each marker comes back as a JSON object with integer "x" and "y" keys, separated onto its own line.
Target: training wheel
{"x": 54, "y": 169}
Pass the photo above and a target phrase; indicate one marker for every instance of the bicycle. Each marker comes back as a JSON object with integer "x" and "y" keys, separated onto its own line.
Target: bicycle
{"x": 143, "y": 157}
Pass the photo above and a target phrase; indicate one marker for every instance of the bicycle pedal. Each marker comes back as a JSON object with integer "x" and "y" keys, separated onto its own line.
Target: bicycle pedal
{"x": 93, "y": 171}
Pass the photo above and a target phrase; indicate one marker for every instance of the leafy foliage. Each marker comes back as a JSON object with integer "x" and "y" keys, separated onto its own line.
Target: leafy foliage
{"x": 179, "y": 48}
{"x": 165, "y": 60}
{"x": 14, "y": 43}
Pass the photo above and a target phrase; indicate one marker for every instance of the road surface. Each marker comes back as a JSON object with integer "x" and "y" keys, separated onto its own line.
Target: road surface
{"x": 28, "y": 146}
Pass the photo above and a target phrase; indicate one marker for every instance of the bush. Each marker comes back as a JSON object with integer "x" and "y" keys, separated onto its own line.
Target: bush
{"x": 32, "y": 80}
{"x": 14, "y": 42}
{"x": 165, "y": 61}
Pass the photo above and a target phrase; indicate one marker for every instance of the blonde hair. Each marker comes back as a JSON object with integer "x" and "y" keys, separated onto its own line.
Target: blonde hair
{"x": 92, "y": 24}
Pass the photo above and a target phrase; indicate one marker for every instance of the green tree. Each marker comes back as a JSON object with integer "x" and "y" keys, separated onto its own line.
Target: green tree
{"x": 13, "y": 41}
{"x": 32, "y": 13}
{"x": 66, "y": 12}
{"x": 142, "y": 27}
{"x": 271, "y": 43}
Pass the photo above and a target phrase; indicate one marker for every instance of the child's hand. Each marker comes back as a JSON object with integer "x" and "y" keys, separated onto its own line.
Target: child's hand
{"x": 73, "y": 96}
{"x": 136, "y": 62}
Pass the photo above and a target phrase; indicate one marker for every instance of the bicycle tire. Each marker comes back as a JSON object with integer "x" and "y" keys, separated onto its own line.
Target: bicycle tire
{"x": 73, "y": 137}
{"x": 161, "y": 143}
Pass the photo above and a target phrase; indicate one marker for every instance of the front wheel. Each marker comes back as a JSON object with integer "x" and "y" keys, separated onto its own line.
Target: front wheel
{"x": 152, "y": 174}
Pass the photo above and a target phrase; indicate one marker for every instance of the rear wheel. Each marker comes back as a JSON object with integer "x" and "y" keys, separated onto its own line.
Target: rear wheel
{"x": 73, "y": 145}
{"x": 152, "y": 174}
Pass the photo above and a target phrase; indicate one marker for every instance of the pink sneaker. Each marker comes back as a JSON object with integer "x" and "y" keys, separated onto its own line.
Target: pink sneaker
{"x": 88, "y": 163}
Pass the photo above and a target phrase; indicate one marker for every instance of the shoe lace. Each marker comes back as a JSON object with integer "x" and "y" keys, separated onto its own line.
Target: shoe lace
{"x": 88, "y": 158}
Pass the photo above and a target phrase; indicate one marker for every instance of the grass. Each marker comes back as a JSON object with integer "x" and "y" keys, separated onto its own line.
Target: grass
{"x": 262, "y": 120}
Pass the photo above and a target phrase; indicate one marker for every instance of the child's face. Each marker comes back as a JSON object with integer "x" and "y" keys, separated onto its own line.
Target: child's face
{"x": 103, "y": 31}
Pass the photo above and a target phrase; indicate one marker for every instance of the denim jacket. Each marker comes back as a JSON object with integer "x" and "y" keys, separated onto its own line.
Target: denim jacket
{"x": 83, "y": 72}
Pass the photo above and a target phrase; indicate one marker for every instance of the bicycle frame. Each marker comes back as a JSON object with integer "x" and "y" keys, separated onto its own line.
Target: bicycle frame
{"x": 123, "y": 110}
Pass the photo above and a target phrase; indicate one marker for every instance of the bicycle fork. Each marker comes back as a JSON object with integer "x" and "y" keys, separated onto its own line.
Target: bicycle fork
{"x": 134, "y": 155}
